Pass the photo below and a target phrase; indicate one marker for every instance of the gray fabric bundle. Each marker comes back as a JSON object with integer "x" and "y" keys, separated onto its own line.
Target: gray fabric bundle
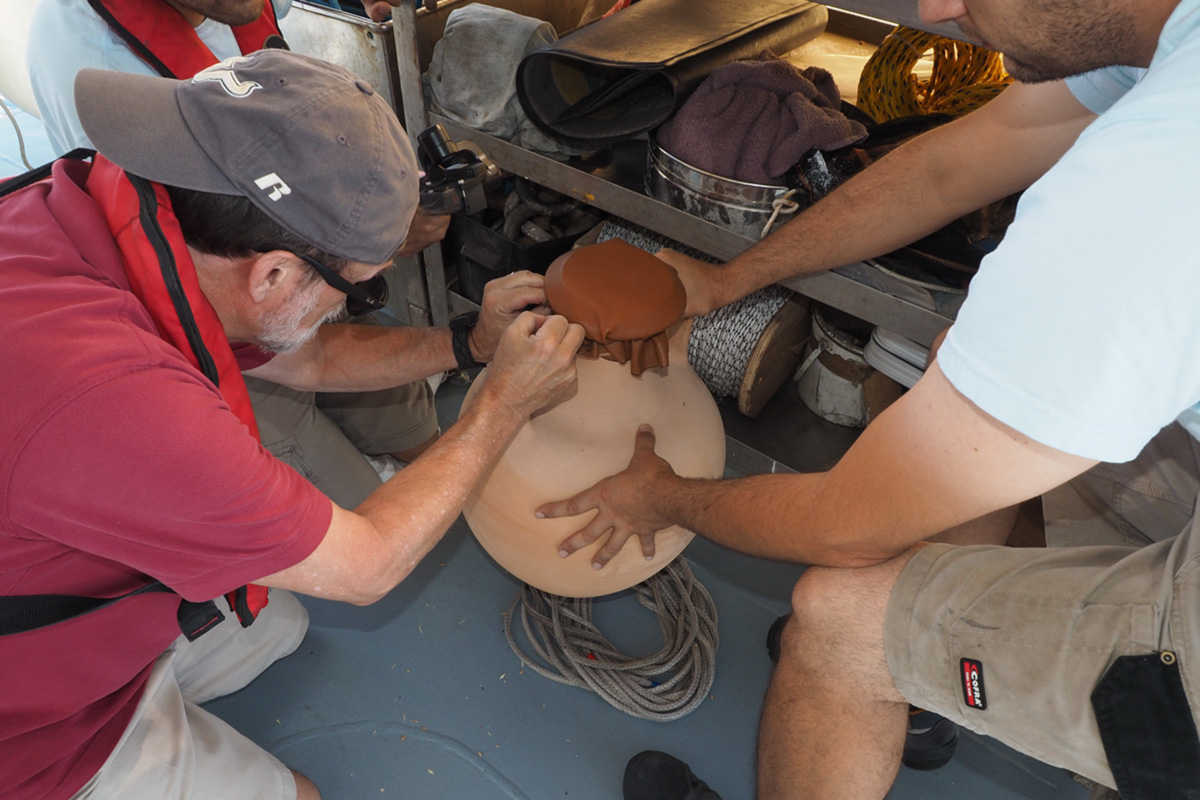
{"x": 472, "y": 73}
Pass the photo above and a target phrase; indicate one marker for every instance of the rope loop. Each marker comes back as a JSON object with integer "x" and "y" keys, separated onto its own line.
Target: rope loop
{"x": 663, "y": 687}
{"x": 784, "y": 204}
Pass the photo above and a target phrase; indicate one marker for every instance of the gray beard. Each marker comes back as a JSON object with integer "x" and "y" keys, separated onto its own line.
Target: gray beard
{"x": 281, "y": 329}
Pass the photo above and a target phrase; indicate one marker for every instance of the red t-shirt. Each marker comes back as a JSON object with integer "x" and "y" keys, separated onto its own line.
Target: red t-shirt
{"x": 120, "y": 464}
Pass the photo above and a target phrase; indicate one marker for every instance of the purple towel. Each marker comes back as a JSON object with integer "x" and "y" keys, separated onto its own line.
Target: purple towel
{"x": 753, "y": 120}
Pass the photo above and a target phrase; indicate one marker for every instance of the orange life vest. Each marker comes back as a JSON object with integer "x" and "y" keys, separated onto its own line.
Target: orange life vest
{"x": 161, "y": 37}
{"x": 163, "y": 277}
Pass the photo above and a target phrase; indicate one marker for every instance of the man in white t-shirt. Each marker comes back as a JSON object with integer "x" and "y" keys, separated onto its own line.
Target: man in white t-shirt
{"x": 1064, "y": 376}
{"x": 322, "y": 435}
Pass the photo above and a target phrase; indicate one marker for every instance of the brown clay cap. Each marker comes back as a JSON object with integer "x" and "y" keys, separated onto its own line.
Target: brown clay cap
{"x": 616, "y": 291}
{"x": 624, "y": 298}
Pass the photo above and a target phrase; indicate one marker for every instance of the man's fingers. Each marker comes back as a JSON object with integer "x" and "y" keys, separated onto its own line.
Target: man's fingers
{"x": 528, "y": 324}
{"x": 552, "y": 327}
{"x": 648, "y": 546}
{"x": 572, "y": 506}
{"x": 611, "y": 548}
{"x": 644, "y": 441}
{"x": 516, "y": 298}
{"x": 583, "y": 537}
{"x": 519, "y": 278}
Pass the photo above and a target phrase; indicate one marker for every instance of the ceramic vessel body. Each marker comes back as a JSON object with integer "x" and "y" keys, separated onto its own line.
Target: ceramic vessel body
{"x": 571, "y": 446}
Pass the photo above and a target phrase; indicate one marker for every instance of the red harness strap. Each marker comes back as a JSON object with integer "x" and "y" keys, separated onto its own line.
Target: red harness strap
{"x": 168, "y": 43}
{"x": 164, "y": 279}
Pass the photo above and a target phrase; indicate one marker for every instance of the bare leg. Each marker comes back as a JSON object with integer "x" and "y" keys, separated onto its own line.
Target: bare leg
{"x": 834, "y": 725}
{"x": 305, "y": 789}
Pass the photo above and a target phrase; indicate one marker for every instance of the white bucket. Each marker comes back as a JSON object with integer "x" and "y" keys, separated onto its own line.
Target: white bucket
{"x": 830, "y": 378}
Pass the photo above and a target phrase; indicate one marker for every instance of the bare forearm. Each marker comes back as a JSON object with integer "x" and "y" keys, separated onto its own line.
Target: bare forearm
{"x": 879, "y": 210}
{"x": 919, "y": 187}
{"x": 781, "y": 517}
{"x": 363, "y": 358}
{"x": 413, "y": 510}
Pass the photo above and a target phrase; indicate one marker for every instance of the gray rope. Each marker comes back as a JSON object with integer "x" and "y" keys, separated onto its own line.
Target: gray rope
{"x": 663, "y": 687}
{"x": 721, "y": 342}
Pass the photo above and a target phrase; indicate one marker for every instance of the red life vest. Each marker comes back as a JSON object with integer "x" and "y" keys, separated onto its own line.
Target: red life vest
{"x": 161, "y": 37}
{"x": 163, "y": 277}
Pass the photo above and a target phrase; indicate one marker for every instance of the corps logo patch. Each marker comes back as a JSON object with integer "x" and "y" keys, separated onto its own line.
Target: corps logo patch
{"x": 971, "y": 672}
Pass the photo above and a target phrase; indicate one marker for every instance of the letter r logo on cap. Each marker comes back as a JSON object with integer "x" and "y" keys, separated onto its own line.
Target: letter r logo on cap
{"x": 275, "y": 184}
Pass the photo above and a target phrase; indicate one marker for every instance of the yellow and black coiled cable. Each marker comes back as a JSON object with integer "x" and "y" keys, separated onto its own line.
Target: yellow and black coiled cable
{"x": 964, "y": 77}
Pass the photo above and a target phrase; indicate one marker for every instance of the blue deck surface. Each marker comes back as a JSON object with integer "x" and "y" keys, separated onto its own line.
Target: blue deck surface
{"x": 421, "y": 696}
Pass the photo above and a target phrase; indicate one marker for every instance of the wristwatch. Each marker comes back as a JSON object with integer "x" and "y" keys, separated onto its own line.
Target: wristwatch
{"x": 460, "y": 339}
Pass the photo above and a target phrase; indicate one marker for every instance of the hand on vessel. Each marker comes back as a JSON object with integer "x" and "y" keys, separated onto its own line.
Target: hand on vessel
{"x": 701, "y": 282}
{"x": 626, "y": 505}
{"x": 424, "y": 231}
{"x": 534, "y": 364}
{"x": 503, "y": 299}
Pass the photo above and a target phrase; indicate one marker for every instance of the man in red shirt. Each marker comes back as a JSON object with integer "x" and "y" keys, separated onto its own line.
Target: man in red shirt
{"x": 241, "y": 206}
{"x": 323, "y": 435}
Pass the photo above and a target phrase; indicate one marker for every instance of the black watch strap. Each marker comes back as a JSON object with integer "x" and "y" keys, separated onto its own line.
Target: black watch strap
{"x": 460, "y": 338}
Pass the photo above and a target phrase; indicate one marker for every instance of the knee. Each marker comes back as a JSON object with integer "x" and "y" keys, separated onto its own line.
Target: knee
{"x": 838, "y": 614}
{"x": 821, "y": 602}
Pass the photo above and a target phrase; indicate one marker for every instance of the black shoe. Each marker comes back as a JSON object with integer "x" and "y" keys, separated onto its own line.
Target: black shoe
{"x": 774, "y": 635}
{"x": 930, "y": 742}
{"x": 651, "y": 775}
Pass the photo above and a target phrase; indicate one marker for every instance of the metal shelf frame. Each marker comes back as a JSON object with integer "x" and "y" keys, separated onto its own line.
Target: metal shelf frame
{"x": 595, "y": 183}
{"x": 594, "y": 188}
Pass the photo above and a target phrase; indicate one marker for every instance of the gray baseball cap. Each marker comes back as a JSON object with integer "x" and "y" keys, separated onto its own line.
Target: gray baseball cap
{"x": 308, "y": 142}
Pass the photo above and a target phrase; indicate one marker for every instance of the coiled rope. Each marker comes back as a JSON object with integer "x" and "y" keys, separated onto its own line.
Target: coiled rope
{"x": 662, "y": 687}
{"x": 964, "y": 76}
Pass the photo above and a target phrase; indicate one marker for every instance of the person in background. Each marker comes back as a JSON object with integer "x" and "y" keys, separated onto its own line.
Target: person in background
{"x": 321, "y": 434}
{"x": 1068, "y": 374}
{"x": 235, "y": 206}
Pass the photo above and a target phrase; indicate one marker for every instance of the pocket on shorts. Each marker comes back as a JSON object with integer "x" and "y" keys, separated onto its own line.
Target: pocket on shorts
{"x": 1148, "y": 729}
{"x": 289, "y": 452}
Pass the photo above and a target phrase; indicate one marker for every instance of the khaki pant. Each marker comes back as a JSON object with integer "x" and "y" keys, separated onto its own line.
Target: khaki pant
{"x": 175, "y": 750}
{"x": 323, "y": 435}
{"x": 1121, "y": 576}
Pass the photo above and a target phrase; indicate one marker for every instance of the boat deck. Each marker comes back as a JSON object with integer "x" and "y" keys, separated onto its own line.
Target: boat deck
{"x": 420, "y": 695}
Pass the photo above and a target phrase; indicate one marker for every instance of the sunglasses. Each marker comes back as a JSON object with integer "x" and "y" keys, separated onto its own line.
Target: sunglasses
{"x": 362, "y": 297}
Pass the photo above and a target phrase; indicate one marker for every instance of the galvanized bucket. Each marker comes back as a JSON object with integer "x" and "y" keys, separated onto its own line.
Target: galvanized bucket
{"x": 745, "y": 208}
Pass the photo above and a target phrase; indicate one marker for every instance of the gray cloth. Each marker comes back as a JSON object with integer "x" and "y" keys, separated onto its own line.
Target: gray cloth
{"x": 472, "y": 74}
{"x": 753, "y": 120}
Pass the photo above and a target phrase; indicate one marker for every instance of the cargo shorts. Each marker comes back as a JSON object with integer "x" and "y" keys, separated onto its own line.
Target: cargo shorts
{"x": 1012, "y": 642}
{"x": 172, "y": 748}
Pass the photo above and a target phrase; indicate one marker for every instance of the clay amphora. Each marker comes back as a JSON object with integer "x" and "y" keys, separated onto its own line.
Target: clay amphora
{"x": 569, "y": 447}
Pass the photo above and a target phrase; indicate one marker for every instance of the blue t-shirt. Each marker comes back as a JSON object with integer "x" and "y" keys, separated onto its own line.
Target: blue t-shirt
{"x": 1082, "y": 330}
{"x": 67, "y": 36}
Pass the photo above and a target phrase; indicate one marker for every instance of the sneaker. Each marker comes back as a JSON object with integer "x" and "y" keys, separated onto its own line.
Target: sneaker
{"x": 651, "y": 775}
{"x": 930, "y": 741}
